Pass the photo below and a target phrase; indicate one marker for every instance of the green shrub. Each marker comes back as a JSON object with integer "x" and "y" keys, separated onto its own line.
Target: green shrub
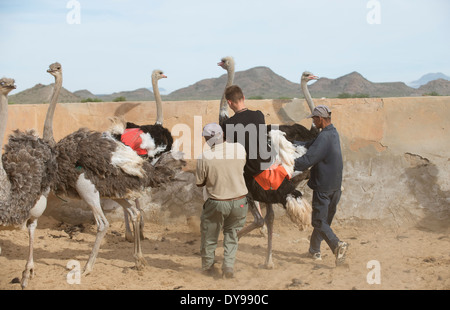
{"x": 347, "y": 95}
{"x": 119, "y": 99}
{"x": 92, "y": 100}
{"x": 433, "y": 93}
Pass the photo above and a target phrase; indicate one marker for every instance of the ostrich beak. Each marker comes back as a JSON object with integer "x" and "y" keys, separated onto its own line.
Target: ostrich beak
{"x": 164, "y": 76}
{"x": 221, "y": 63}
{"x": 313, "y": 77}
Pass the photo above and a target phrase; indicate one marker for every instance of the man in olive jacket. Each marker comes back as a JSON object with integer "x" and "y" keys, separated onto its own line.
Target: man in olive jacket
{"x": 325, "y": 157}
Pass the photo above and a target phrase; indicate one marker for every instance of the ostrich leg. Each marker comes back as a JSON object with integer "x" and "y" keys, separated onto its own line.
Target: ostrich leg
{"x": 29, "y": 272}
{"x": 269, "y": 222}
{"x": 257, "y": 222}
{"x": 141, "y": 219}
{"x": 91, "y": 196}
{"x": 135, "y": 216}
{"x": 35, "y": 213}
{"x": 128, "y": 233}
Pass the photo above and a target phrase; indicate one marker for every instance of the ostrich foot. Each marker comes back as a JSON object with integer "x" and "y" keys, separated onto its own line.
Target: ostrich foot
{"x": 27, "y": 275}
{"x": 269, "y": 265}
{"x": 87, "y": 270}
{"x": 140, "y": 261}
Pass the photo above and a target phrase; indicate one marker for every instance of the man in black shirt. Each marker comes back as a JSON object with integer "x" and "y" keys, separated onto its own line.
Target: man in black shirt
{"x": 325, "y": 158}
{"x": 248, "y": 128}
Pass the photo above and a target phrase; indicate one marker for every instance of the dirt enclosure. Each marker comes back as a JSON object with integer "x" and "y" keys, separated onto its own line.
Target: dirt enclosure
{"x": 408, "y": 258}
{"x": 397, "y": 190}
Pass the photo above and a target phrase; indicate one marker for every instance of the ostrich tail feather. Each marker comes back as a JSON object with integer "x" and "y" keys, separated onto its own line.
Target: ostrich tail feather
{"x": 299, "y": 211}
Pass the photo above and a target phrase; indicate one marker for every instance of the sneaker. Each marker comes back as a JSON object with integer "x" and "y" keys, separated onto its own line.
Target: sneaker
{"x": 228, "y": 272}
{"x": 209, "y": 271}
{"x": 315, "y": 256}
{"x": 341, "y": 252}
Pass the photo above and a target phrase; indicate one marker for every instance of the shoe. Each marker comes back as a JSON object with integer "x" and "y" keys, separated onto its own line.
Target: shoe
{"x": 341, "y": 252}
{"x": 228, "y": 272}
{"x": 315, "y": 256}
{"x": 210, "y": 271}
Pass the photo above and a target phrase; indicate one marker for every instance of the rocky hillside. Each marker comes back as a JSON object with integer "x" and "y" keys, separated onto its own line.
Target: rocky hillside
{"x": 355, "y": 83}
{"x": 258, "y": 83}
{"x": 440, "y": 86}
{"x": 42, "y": 94}
{"x": 428, "y": 78}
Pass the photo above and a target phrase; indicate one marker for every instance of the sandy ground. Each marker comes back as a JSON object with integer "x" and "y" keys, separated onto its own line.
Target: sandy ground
{"x": 408, "y": 258}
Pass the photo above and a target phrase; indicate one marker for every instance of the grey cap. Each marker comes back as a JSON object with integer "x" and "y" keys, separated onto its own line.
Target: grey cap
{"x": 211, "y": 130}
{"x": 321, "y": 111}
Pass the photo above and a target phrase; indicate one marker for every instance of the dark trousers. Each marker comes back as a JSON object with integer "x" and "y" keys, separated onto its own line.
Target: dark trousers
{"x": 324, "y": 208}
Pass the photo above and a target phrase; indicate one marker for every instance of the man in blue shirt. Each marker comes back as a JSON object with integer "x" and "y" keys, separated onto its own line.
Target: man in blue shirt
{"x": 325, "y": 158}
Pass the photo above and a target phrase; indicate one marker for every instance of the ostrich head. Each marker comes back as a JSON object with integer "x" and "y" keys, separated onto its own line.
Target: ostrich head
{"x": 157, "y": 75}
{"x": 308, "y": 76}
{"x": 6, "y": 85}
{"x": 226, "y": 62}
{"x": 55, "y": 69}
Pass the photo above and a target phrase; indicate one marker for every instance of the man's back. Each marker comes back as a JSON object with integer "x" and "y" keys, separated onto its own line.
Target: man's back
{"x": 249, "y": 129}
{"x": 222, "y": 168}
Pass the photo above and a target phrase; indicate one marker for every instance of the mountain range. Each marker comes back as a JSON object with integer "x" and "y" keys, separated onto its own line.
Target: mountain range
{"x": 257, "y": 83}
{"x": 428, "y": 78}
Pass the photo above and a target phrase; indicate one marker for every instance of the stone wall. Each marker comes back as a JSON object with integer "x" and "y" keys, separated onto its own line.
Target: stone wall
{"x": 396, "y": 153}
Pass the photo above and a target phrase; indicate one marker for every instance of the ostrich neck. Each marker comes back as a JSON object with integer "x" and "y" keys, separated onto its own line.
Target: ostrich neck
{"x": 159, "y": 113}
{"x": 48, "y": 125}
{"x": 223, "y": 101}
{"x": 307, "y": 96}
{"x": 5, "y": 185}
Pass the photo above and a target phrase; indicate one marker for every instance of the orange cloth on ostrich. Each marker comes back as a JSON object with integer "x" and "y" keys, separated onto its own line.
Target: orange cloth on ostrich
{"x": 271, "y": 179}
{"x": 132, "y": 138}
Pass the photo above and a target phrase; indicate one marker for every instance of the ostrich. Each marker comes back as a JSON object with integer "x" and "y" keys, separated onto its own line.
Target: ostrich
{"x": 297, "y": 207}
{"x": 297, "y": 132}
{"x": 27, "y": 170}
{"x": 148, "y": 140}
{"x": 93, "y": 165}
{"x": 226, "y": 63}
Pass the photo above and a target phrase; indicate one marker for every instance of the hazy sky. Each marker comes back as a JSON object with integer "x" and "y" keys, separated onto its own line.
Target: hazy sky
{"x": 114, "y": 45}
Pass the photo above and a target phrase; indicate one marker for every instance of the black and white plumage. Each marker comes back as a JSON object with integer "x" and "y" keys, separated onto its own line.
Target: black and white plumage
{"x": 156, "y": 139}
{"x": 93, "y": 165}
{"x": 27, "y": 170}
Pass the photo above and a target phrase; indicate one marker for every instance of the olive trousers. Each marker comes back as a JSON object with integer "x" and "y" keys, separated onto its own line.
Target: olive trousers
{"x": 228, "y": 216}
